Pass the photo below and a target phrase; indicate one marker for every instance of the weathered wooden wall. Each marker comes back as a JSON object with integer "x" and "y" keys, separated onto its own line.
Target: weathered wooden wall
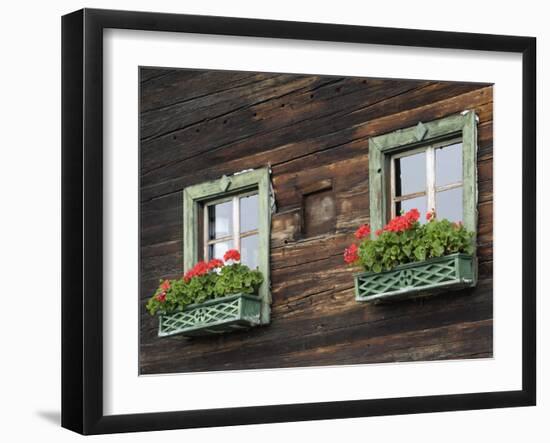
{"x": 198, "y": 125}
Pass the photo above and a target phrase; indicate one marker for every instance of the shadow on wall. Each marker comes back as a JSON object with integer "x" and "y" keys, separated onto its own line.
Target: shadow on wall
{"x": 54, "y": 417}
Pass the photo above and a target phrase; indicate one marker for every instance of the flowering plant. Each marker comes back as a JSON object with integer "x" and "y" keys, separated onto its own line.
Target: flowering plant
{"x": 405, "y": 240}
{"x": 205, "y": 281}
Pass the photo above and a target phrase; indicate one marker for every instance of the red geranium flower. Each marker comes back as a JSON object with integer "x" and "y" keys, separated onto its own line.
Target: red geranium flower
{"x": 379, "y": 231}
{"x": 350, "y": 254}
{"x": 430, "y": 215}
{"x": 362, "y": 232}
{"x": 215, "y": 263}
{"x": 397, "y": 224}
{"x": 165, "y": 285}
{"x": 403, "y": 222}
{"x": 413, "y": 215}
{"x": 161, "y": 297}
{"x": 199, "y": 269}
{"x": 202, "y": 267}
{"x": 232, "y": 254}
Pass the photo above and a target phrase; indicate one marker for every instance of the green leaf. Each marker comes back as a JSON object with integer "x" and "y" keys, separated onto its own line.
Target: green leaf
{"x": 420, "y": 253}
{"x": 434, "y": 239}
{"x": 229, "y": 280}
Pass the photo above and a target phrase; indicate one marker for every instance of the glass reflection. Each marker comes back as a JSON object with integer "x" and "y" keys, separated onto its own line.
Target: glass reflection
{"x": 449, "y": 205}
{"x": 249, "y": 213}
{"x": 220, "y": 220}
{"x": 249, "y": 251}
{"x": 410, "y": 174}
{"x": 448, "y": 164}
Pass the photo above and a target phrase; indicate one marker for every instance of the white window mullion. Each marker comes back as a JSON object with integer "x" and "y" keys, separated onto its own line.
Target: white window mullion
{"x": 205, "y": 234}
{"x": 430, "y": 178}
{"x": 392, "y": 186}
{"x": 236, "y": 224}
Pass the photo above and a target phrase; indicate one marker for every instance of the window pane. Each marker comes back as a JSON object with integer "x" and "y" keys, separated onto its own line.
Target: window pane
{"x": 413, "y": 203}
{"x": 249, "y": 213}
{"x": 410, "y": 174}
{"x": 217, "y": 250}
{"x": 449, "y": 204}
{"x": 448, "y": 164}
{"x": 220, "y": 220}
{"x": 249, "y": 251}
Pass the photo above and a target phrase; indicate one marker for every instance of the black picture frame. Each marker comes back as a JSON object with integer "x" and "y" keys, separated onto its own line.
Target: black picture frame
{"x": 82, "y": 216}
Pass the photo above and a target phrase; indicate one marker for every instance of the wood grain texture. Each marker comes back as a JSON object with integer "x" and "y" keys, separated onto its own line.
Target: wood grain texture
{"x": 199, "y": 125}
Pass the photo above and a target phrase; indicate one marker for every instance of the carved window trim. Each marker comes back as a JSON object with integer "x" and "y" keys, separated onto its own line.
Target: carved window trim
{"x": 236, "y": 235}
{"x": 431, "y": 188}
{"x": 195, "y": 196}
{"x": 381, "y": 149}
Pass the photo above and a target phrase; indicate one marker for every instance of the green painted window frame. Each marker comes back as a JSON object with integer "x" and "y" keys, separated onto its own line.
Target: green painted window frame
{"x": 240, "y": 182}
{"x": 382, "y": 147}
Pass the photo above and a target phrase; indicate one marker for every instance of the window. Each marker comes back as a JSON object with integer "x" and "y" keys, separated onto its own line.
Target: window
{"x": 428, "y": 178}
{"x": 428, "y": 166}
{"x": 233, "y": 212}
{"x": 232, "y": 223}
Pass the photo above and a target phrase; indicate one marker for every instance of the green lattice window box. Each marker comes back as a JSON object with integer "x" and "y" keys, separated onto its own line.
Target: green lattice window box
{"x": 225, "y": 314}
{"x": 455, "y": 271}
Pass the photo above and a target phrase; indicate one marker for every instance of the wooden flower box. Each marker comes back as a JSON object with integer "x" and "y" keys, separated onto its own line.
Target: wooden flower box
{"x": 455, "y": 271}
{"x": 217, "y": 316}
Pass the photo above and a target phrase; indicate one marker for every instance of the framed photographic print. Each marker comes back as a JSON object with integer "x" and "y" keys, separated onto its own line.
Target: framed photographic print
{"x": 270, "y": 221}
